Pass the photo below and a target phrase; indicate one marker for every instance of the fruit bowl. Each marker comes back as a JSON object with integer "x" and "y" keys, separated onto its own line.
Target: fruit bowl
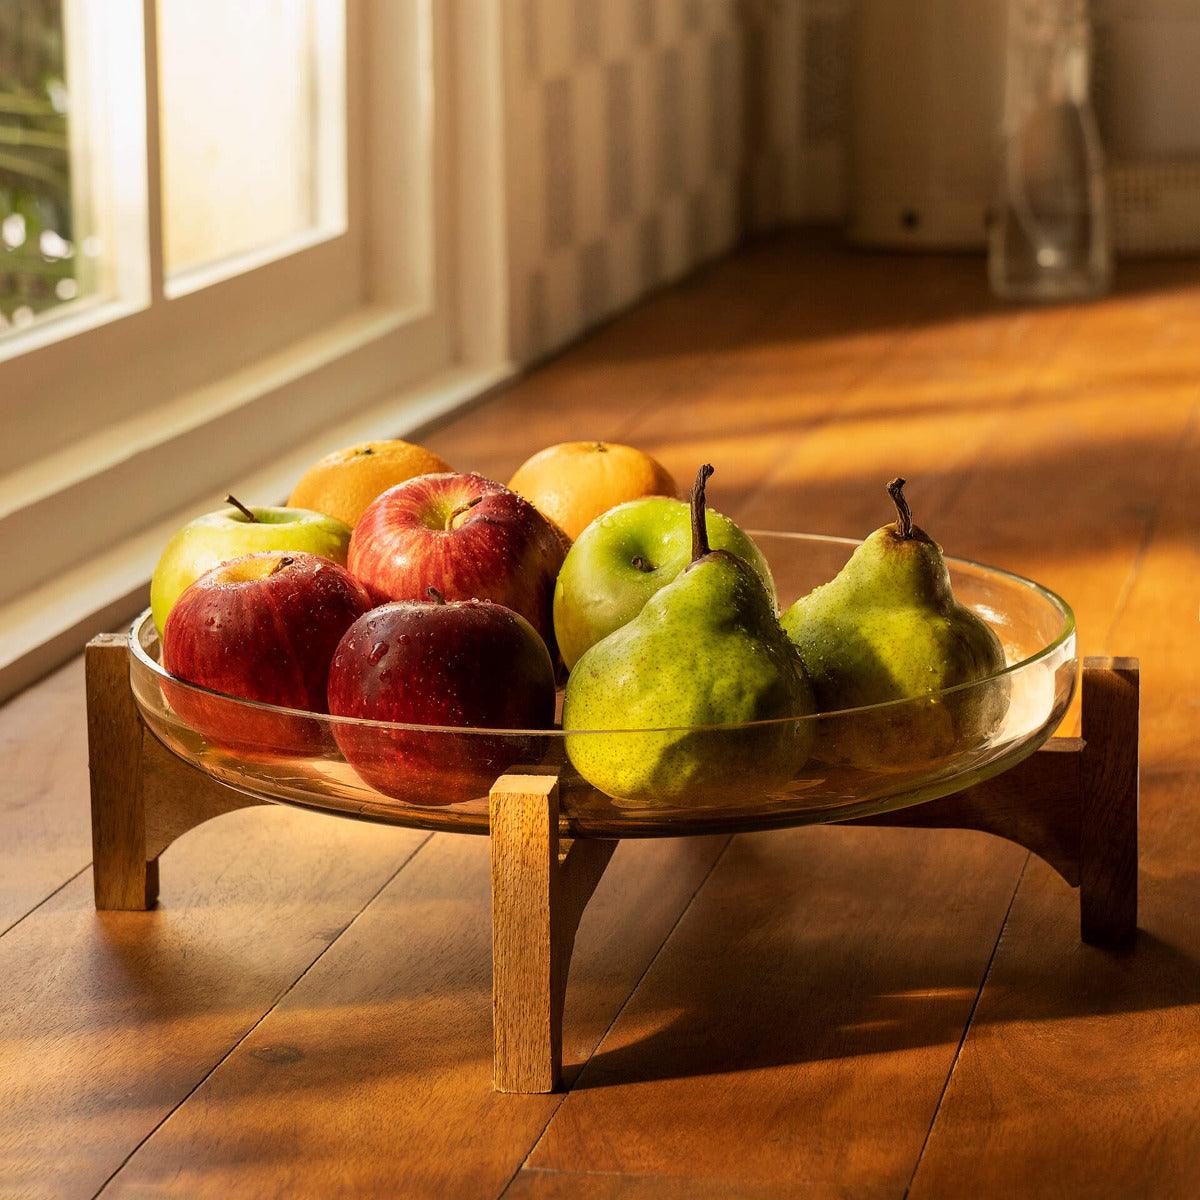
{"x": 440, "y": 776}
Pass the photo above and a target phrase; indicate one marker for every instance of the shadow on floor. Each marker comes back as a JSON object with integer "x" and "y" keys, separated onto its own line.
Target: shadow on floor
{"x": 717, "y": 1032}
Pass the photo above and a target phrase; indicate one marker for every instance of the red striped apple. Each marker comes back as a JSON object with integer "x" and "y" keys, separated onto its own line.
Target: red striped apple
{"x": 262, "y": 627}
{"x": 465, "y": 536}
{"x": 234, "y": 532}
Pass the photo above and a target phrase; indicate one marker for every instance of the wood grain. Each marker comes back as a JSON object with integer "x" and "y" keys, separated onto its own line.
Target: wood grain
{"x": 535, "y": 1184}
{"x": 45, "y": 825}
{"x": 539, "y": 893}
{"x": 178, "y": 797}
{"x": 527, "y": 969}
{"x": 1108, "y": 883}
{"x": 143, "y": 797}
{"x": 109, "y": 1020}
{"x": 373, "y": 1075}
{"x": 794, "y": 1034}
{"x": 800, "y": 1021}
{"x": 1031, "y": 400}
{"x": 1036, "y": 804}
{"x": 1077, "y": 1076}
{"x": 124, "y": 875}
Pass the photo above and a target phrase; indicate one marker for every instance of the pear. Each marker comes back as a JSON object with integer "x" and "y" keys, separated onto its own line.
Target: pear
{"x": 705, "y": 651}
{"x": 886, "y": 628}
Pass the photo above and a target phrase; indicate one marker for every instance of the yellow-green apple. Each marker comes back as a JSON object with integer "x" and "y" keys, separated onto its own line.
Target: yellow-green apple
{"x": 470, "y": 663}
{"x": 624, "y": 556}
{"x": 229, "y": 533}
{"x": 467, "y": 537}
{"x": 263, "y": 627}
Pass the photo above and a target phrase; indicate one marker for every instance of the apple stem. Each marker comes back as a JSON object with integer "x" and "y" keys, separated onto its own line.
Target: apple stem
{"x": 435, "y": 595}
{"x": 282, "y": 564}
{"x": 462, "y": 508}
{"x": 241, "y": 508}
{"x": 641, "y": 564}
{"x": 700, "y": 545}
{"x": 600, "y": 447}
{"x": 904, "y": 525}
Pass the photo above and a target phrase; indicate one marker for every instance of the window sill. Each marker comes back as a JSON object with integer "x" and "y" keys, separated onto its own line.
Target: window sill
{"x": 43, "y": 627}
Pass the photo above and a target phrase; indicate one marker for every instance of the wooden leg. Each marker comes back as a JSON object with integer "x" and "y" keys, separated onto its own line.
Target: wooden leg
{"x": 123, "y": 874}
{"x": 1035, "y": 804}
{"x": 1108, "y": 846}
{"x": 1074, "y": 803}
{"x": 143, "y": 797}
{"x": 539, "y": 892}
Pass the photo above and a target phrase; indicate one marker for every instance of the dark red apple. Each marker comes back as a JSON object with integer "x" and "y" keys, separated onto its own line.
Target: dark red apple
{"x": 470, "y": 663}
{"x": 467, "y": 537}
{"x": 262, "y": 627}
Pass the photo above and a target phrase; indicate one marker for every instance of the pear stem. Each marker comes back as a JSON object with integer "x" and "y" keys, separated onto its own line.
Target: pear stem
{"x": 241, "y": 508}
{"x": 904, "y": 524}
{"x": 435, "y": 595}
{"x": 700, "y": 545}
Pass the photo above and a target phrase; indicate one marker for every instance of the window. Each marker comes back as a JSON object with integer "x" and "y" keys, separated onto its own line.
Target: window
{"x": 227, "y": 229}
{"x": 44, "y": 251}
{"x": 225, "y": 202}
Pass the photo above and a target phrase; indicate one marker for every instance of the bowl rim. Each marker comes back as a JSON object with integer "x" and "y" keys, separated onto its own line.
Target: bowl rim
{"x": 1065, "y": 635}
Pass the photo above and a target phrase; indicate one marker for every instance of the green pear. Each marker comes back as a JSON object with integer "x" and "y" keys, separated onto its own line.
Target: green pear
{"x": 888, "y": 628}
{"x": 705, "y": 651}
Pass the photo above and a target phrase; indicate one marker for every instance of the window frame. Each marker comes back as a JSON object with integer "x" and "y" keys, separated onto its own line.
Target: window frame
{"x": 103, "y": 422}
{"x": 141, "y": 342}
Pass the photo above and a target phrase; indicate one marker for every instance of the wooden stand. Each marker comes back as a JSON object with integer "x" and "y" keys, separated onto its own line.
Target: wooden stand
{"x": 1074, "y": 803}
{"x": 539, "y": 891}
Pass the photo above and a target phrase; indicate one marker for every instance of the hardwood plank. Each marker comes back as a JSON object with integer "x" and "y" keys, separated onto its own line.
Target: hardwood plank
{"x": 811, "y": 371}
{"x": 871, "y": 407}
{"x": 1041, "y": 440}
{"x": 107, "y": 1021}
{"x": 638, "y": 1130}
{"x": 45, "y": 830}
{"x": 1078, "y": 1073}
{"x": 384, "y": 1049}
{"x": 535, "y": 1184}
{"x": 660, "y": 351}
{"x": 807, "y": 1005}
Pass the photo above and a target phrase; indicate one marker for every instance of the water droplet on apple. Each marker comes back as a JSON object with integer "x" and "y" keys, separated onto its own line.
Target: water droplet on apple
{"x": 378, "y": 651}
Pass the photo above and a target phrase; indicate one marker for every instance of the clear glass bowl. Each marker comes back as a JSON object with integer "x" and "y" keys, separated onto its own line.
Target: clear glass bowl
{"x": 860, "y": 761}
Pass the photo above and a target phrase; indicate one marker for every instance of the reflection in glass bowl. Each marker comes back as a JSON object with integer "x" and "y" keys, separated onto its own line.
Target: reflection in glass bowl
{"x": 456, "y": 767}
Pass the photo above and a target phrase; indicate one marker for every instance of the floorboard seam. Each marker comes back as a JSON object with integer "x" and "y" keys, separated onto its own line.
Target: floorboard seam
{"x": 1148, "y": 534}
{"x": 962, "y": 1041}
{"x": 521, "y": 1166}
{"x": 45, "y": 899}
{"x": 263, "y": 1016}
{"x": 1119, "y": 606}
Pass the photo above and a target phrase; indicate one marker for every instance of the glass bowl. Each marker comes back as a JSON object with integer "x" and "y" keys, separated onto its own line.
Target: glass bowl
{"x": 826, "y": 767}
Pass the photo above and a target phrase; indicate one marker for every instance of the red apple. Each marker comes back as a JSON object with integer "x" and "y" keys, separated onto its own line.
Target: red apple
{"x": 262, "y": 627}
{"x": 468, "y": 663}
{"x": 467, "y": 537}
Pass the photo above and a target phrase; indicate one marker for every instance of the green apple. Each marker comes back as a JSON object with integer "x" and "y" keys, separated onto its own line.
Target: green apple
{"x": 228, "y": 533}
{"x": 623, "y": 557}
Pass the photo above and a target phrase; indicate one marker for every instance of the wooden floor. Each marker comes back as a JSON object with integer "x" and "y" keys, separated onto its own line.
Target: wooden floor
{"x": 818, "y": 1012}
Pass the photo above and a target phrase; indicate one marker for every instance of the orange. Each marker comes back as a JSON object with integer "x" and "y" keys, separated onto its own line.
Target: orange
{"x": 343, "y": 483}
{"x": 574, "y": 482}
